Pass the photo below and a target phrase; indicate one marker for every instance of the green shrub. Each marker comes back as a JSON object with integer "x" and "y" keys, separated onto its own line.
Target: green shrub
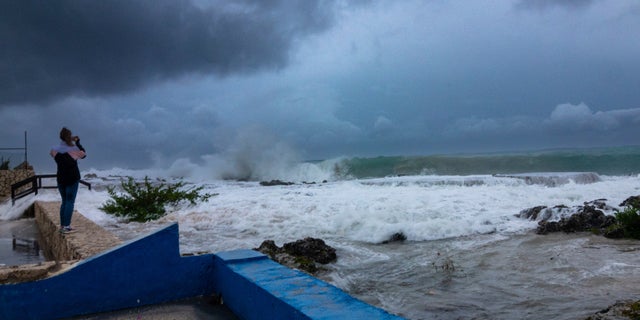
{"x": 629, "y": 221}
{"x": 145, "y": 201}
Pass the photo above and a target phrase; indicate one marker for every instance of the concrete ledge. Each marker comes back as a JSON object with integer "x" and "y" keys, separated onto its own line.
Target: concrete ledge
{"x": 32, "y": 272}
{"x": 29, "y": 272}
{"x": 89, "y": 240}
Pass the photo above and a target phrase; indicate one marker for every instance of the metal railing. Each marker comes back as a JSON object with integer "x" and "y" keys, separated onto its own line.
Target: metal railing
{"x": 18, "y": 189}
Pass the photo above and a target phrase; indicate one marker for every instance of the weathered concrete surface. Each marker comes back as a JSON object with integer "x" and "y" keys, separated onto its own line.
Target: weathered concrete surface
{"x": 63, "y": 250}
{"x": 32, "y": 272}
{"x": 186, "y": 309}
{"x": 88, "y": 240}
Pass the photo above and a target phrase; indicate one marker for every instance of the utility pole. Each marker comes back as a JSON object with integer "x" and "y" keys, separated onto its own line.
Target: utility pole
{"x": 26, "y": 161}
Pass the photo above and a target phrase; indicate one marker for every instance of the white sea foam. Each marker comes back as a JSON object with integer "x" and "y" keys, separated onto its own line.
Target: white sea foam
{"x": 423, "y": 208}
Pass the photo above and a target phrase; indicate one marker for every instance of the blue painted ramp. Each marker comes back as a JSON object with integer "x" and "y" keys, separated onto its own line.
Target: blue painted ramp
{"x": 256, "y": 287}
{"x": 148, "y": 270}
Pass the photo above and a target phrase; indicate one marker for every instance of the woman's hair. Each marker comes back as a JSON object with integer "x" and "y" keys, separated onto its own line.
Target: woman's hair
{"x": 65, "y": 135}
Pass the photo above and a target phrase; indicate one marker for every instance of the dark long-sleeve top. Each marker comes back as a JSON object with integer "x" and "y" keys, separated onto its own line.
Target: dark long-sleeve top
{"x": 66, "y": 160}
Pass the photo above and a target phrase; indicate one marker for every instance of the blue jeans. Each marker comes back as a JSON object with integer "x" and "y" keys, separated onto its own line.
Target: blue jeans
{"x": 68, "y": 194}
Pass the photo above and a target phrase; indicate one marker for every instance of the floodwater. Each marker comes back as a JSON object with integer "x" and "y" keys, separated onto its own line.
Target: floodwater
{"x": 20, "y": 242}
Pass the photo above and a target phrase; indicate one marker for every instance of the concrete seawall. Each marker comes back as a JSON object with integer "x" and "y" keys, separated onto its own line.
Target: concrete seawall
{"x": 89, "y": 240}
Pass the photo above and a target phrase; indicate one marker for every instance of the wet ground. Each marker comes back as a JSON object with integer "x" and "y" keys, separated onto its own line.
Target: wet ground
{"x": 194, "y": 308}
{"x": 19, "y": 242}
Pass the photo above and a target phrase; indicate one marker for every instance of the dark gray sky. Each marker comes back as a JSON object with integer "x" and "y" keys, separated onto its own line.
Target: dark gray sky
{"x": 146, "y": 83}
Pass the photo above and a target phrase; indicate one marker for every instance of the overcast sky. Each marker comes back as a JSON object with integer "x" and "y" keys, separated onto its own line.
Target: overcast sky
{"x": 146, "y": 83}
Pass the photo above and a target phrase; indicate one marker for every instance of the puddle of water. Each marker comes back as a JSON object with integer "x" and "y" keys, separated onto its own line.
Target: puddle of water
{"x": 20, "y": 242}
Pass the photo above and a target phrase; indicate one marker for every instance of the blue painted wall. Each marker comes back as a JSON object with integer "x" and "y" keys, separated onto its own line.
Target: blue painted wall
{"x": 148, "y": 270}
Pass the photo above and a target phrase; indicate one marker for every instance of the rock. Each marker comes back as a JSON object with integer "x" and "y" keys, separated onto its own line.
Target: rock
{"x": 588, "y": 217}
{"x": 627, "y": 309}
{"x": 275, "y": 183}
{"x": 531, "y": 213}
{"x": 633, "y": 201}
{"x": 545, "y": 227}
{"x": 302, "y": 254}
{"x": 600, "y": 204}
{"x": 616, "y": 232}
{"x": 269, "y": 248}
{"x": 311, "y": 248}
{"x": 396, "y": 237}
{"x": 543, "y": 212}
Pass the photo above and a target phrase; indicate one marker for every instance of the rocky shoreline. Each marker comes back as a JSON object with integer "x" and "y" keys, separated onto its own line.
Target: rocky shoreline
{"x": 627, "y": 309}
{"x": 304, "y": 255}
{"x": 596, "y": 217}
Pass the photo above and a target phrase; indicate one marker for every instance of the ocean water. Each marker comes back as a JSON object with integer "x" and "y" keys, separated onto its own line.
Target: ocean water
{"x": 467, "y": 254}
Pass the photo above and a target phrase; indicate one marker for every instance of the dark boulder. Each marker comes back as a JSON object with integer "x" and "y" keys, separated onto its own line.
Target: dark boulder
{"x": 588, "y": 217}
{"x": 275, "y": 183}
{"x": 543, "y": 212}
{"x": 269, "y": 248}
{"x": 311, "y": 248}
{"x": 301, "y": 254}
{"x": 614, "y": 232}
{"x": 627, "y": 309}
{"x": 396, "y": 237}
{"x": 545, "y": 227}
{"x": 531, "y": 213}
{"x": 633, "y": 201}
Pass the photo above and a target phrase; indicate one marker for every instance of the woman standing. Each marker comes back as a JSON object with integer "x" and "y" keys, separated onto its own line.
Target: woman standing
{"x": 66, "y": 155}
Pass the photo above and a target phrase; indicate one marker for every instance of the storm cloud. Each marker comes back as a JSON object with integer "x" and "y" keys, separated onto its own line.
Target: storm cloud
{"x": 53, "y": 49}
{"x": 230, "y": 83}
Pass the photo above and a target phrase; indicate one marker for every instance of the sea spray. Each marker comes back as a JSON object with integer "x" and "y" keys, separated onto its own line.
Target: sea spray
{"x": 264, "y": 159}
{"x": 252, "y": 155}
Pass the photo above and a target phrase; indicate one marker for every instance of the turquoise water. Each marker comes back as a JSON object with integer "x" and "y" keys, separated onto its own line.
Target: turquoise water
{"x": 604, "y": 161}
